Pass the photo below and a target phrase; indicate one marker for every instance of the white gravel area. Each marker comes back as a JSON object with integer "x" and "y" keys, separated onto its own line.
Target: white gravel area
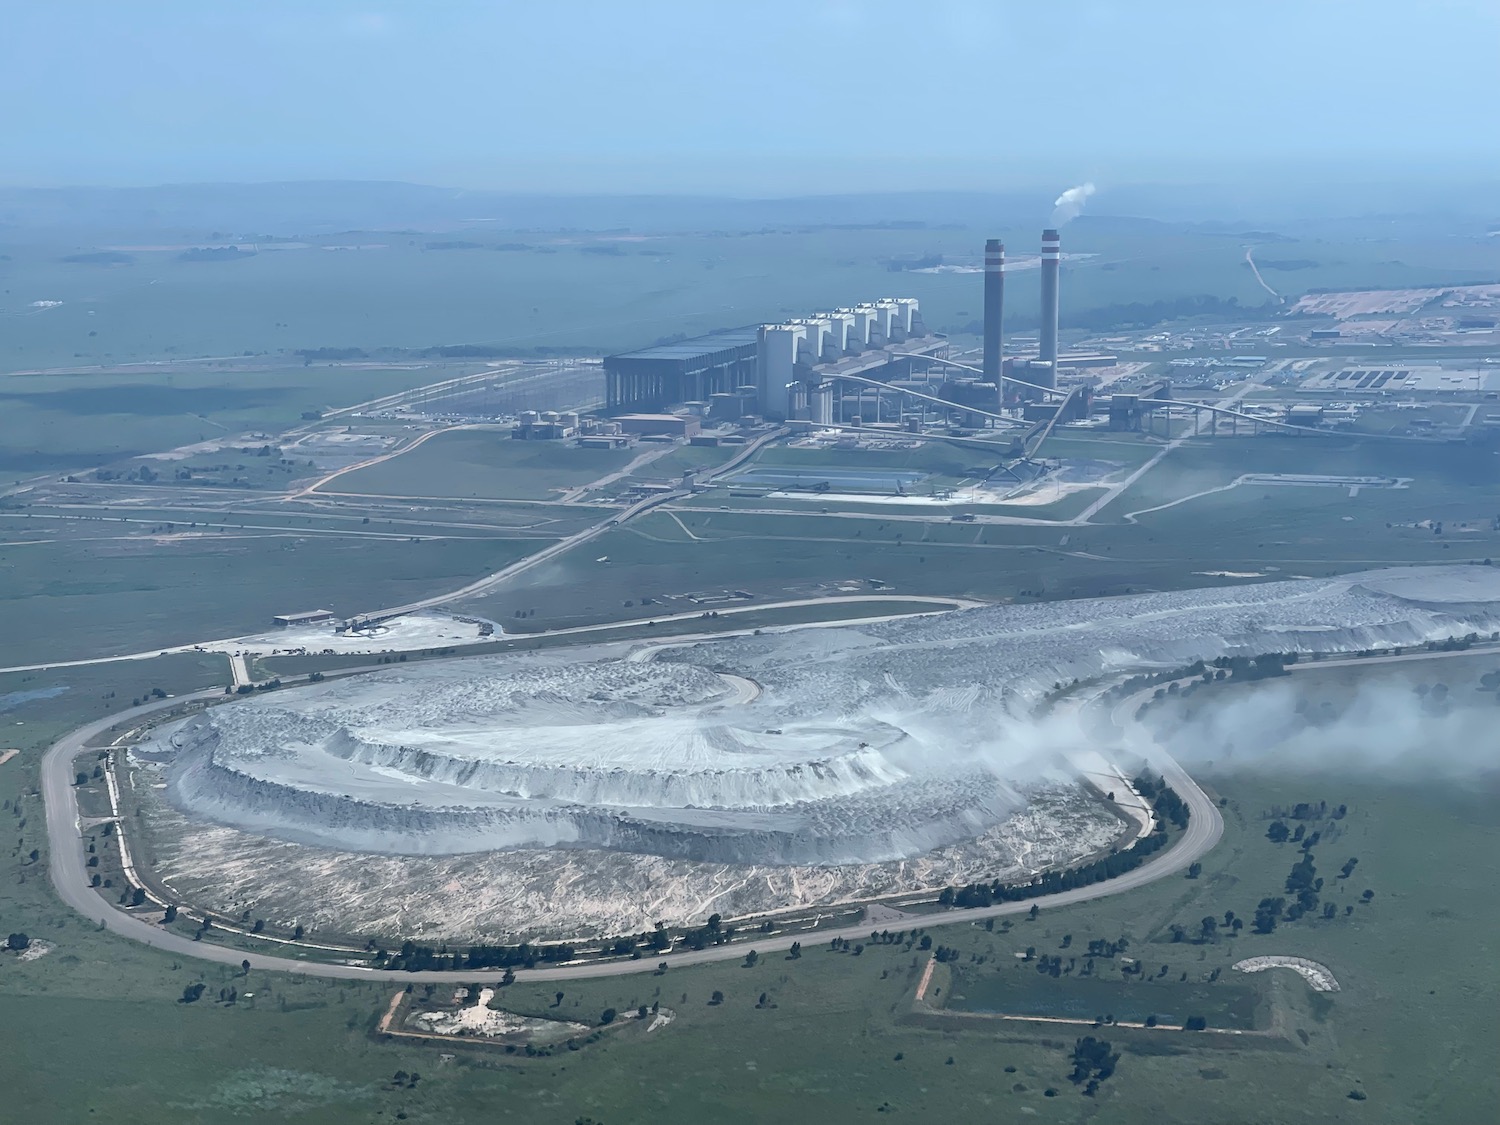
{"x": 1320, "y": 977}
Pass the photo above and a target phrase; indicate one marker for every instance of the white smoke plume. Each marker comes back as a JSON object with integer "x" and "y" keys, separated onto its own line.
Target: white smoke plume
{"x": 1387, "y": 728}
{"x": 1069, "y": 204}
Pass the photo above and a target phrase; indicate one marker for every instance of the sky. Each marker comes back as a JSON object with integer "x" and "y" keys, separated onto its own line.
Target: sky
{"x": 761, "y": 97}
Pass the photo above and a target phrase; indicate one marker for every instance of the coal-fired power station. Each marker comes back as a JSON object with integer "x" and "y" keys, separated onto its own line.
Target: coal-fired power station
{"x": 1051, "y": 264}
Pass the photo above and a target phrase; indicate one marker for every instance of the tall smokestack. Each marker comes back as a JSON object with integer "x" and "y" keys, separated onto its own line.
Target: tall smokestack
{"x": 1051, "y": 261}
{"x": 994, "y": 308}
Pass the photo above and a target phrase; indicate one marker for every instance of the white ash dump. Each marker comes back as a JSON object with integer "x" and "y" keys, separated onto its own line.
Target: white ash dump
{"x": 505, "y": 752}
{"x": 864, "y": 744}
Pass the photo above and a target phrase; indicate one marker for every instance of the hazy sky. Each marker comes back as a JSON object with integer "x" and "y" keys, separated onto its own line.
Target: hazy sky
{"x": 755, "y": 97}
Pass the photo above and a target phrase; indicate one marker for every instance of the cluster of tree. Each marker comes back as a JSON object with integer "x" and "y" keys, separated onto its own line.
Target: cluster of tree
{"x": 1163, "y": 799}
{"x": 329, "y": 354}
{"x": 712, "y": 932}
{"x": 1094, "y": 1062}
{"x": 1166, "y": 802}
{"x": 1309, "y": 810}
{"x": 99, "y": 258}
{"x": 1146, "y": 315}
{"x": 1260, "y": 667}
{"x": 214, "y": 254}
{"x": 1268, "y": 913}
{"x": 1051, "y": 964}
{"x": 265, "y": 685}
{"x": 1305, "y": 886}
{"x": 1278, "y": 832}
{"x": 1099, "y": 947}
{"x": 923, "y": 262}
{"x": 1453, "y": 644}
{"x": 1208, "y": 928}
{"x": 417, "y": 958}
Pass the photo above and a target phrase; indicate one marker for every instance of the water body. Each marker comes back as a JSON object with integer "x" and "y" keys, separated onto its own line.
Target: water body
{"x": 1018, "y": 990}
{"x": 857, "y": 480}
{"x": 13, "y": 699}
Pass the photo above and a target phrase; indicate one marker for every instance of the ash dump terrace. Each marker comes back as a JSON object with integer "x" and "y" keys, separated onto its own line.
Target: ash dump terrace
{"x": 866, "y": 744}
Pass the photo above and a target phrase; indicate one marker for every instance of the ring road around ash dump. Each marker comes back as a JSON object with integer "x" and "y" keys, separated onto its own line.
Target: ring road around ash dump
{"x": 70, "y": 878}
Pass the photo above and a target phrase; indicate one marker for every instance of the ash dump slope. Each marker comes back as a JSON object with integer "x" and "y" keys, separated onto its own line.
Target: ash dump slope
{"x": 869, "y": 743}
{"x": 1009, "y": 656}
{"x": 500, "y": 752}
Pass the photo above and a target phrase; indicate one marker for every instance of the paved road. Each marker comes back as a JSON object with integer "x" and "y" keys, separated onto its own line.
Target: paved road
{"x": 66, "y": 867}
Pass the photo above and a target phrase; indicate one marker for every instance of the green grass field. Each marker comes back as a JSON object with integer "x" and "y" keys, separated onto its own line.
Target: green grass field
{"x": 486, "y": 465}
{"x": 63, "y": 423}
{"x": 67, "y": 600}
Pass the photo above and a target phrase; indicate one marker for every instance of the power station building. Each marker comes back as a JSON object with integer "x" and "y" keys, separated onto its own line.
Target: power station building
{"x": 786, "y": 370}
{"x": 656, "y": 378}
{"x": 820, "y": 368}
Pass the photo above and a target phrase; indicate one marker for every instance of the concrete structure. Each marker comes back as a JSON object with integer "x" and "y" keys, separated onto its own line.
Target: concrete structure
{"x": 675, "y": 425}
{"x": 994, "y": 308}
{"x": 310, "y": 617}
{"x": 657, "y": 377}
{"x": 1125, "y": 410}
{"x": 800, "y": 361}
{"x": 1308, "y": 415}
{"x": 1051, "y": 266}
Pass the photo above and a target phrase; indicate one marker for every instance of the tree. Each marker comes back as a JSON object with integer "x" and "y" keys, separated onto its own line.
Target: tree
{"x": 751, "y": 958}
{"x": 17, "y": 942}
{"x": 1034, "y": 911}
{"x": 1267, "y": 913}
{"x": 716, "y": 998}
{"x": 607, "y": 1016}
{"x": 245, "y": 967}
{"x": 1278, "y": 832}
{"x": 795, "y": 952}
{"x": 1210, "y": 928}
{"x": 170, "y": 914}
{"x": 1194, "y": 870}
{"x": 81, "y": 779}
{"x": 1195, "y": 1023}
{"x": 508, "y": 977}
{"x": 191, "y": 993}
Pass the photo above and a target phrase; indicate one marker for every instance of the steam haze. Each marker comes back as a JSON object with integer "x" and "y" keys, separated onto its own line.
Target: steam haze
{"x": 1383, "y": 726}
